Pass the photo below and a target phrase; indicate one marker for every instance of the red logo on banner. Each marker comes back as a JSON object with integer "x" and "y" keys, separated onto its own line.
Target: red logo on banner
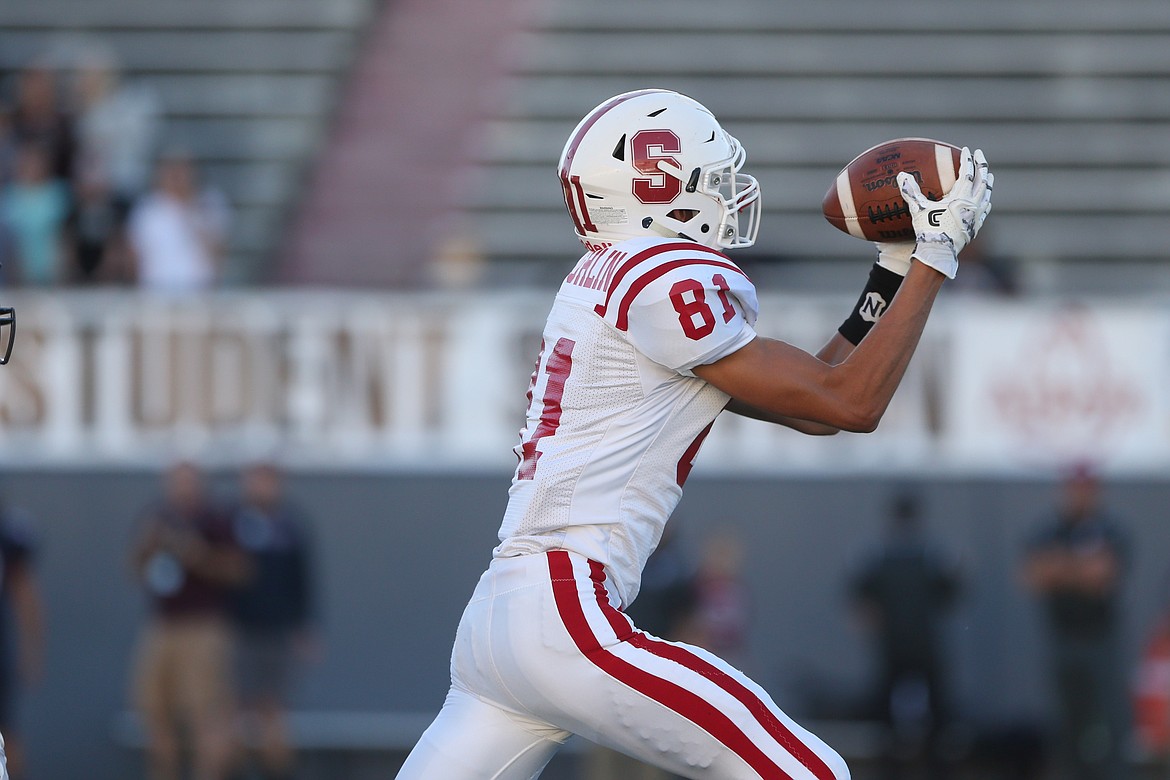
{"x": 1063, "y": 389}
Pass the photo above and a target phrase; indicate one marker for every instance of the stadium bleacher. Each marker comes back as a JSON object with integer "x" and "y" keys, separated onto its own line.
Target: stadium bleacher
{"x": 246, "y": 87}
{"x": 1068, "y": 103}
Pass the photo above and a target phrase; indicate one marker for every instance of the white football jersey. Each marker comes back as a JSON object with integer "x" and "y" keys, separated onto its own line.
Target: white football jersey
{"x": 615, "y": 415}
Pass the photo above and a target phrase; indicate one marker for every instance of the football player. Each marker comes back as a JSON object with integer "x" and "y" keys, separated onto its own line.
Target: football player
{"x": 649, "y": 338}
{"x": 7, "y": 335}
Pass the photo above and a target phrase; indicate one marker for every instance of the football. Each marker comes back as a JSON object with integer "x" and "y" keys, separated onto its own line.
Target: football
{"x": 864, "y": 199}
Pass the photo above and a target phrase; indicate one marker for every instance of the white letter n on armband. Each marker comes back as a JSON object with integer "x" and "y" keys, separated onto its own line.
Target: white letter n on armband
{"x": 873, "y": 307}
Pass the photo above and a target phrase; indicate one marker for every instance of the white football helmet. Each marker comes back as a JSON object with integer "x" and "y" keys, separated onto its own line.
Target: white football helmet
{"x": 655, "y": 162}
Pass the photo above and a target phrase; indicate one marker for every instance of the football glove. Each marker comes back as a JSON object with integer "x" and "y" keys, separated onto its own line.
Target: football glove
{"x": 943, "y": 227}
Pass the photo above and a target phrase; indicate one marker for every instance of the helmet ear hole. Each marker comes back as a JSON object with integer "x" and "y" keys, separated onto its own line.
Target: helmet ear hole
{"x": 619, "y": 151}
{"x": 683, "y": 215}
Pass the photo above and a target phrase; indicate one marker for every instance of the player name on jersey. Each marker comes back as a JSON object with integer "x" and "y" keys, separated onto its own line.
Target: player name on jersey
{"x": 596, "y": 269}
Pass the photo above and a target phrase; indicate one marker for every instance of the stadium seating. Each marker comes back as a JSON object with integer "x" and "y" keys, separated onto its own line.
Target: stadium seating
{"x": 246, "y": 86}
{"x": 1067, "y": 102}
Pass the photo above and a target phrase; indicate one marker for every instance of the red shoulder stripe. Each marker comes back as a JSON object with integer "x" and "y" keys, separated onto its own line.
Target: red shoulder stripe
{"x": 639, "y": 284}
{"x": 648, "y": 254}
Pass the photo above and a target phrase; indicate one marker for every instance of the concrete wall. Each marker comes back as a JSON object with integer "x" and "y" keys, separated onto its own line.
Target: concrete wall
{"x": 398, "y": 555}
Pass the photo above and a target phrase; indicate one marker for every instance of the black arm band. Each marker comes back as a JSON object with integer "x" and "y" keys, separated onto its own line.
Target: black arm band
{"x": 879, "y": 291}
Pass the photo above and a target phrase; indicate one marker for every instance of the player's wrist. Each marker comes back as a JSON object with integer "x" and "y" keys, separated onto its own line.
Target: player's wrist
{"x": 895, "y": 257}
{"x": 937, "y": 252}
{"x": 879, "y": 292}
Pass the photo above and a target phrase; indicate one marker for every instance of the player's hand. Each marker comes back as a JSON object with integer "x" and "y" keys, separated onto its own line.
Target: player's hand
{"x": 943, "y": 227}
{"x": 895, "y": 256}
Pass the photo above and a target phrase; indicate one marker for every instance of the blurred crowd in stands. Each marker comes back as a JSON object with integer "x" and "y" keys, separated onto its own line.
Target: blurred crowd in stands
{"x": 91, "y": 192}
{"x": 95, "y": 190}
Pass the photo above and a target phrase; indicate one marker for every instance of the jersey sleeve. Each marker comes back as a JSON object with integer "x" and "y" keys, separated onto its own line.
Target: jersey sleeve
{"x": 688, "y": 312}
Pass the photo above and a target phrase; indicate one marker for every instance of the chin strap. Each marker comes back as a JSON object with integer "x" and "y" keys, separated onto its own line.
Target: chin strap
{"x": 648, "y": 223}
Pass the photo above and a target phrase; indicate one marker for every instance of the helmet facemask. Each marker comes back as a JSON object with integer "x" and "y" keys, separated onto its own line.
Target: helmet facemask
{"x": 738, "y": 198}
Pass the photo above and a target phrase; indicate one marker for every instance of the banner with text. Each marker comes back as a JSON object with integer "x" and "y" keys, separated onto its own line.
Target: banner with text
{"x": 434, "y": 382}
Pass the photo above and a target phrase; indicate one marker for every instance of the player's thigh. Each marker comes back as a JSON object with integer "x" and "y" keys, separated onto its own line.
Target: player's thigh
{"x": 681, "y": 709}
{"x": 472, "y": 740}
{"x": 672, "y": 705}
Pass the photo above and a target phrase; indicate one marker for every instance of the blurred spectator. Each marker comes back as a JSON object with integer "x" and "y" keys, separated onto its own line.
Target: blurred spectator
{"x": 96, "y": 235}
{"x": 1151, "y": 693}
{"x": 8, "y": 146}
{"x": 458, "y": 263}
{"x": 185, "y": 559}
{"x": 22, "y": 627}
{"x": 117, "y": 135}
{"x": 7, "y": 170}
{"x": 1074, "y": 564}
{"x": 984, "y": 273}
{"x": 117, "y": 127}
{"x": 37, "y": 118}
{"x": 273, "y": 612}
{"x": 177, "y": 232}
{"x": 666, "y": 598}
{"x": 720, "y": 612}
{"x": 33, "y": 208}
{"x": 904, "y": 592}
{"x": 664, "y": 605}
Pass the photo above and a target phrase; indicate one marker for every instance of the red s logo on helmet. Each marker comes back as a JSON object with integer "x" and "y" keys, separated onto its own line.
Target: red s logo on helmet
{"x": 647, "y": 148}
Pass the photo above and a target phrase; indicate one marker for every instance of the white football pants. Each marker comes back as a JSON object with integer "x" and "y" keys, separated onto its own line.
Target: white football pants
{"x": 542, "y": 652}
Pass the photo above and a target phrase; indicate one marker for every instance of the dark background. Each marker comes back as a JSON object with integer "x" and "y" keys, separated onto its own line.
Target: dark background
{"x": 397, "y": 556}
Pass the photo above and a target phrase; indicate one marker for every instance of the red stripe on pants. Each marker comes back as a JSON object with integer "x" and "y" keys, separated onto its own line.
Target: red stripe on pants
{"x": 667, "y": 693}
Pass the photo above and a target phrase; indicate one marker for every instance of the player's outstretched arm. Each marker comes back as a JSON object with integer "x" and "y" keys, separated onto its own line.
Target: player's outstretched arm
{"x": 846, "y": 387}
{"x": 836, "y": 350}
{"x": 780, "y": 380}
